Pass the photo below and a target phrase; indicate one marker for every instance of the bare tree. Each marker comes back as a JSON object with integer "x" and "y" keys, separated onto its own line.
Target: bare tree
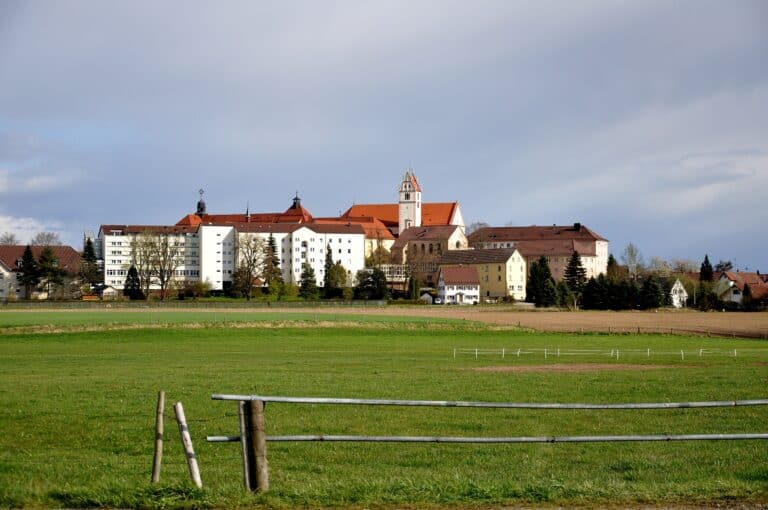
{"x": 684, "y": 266}
{"x": 166, "y": 257}
{"x": 46, "y": 239}
{"x": 9, "y": 239}
{"x": 659, "y": 266}
{"x": 142, "y": 250}
{"x": 633, "y": 259}
{"x": 251, "y": 256}
{"x": 476, "y": 225}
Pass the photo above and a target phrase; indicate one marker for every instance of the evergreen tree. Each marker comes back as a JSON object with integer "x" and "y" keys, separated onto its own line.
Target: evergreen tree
{"x": 575, "y": 274}
{"x": 50, "y": 273}
{"x": 540, "y": 288}
{"x": 328, "y": 290}
{"x": 612, "y": 271}
{"x": 371, "y": 284}
{"x": 28, "y": 273}
{"x": 308, "y": 284}
{"x": 597, "y": 293}
{"x": 723, "y": 266}
{"x": 414, "y": 285}
{"x": 705, "y": 272}
{"x": 566, "y": 298}
{"x": 132, "y": 286}
{"x": 273, "y": 276}
{"x": 651, "y": 293}
{"x": 89, "y": 267}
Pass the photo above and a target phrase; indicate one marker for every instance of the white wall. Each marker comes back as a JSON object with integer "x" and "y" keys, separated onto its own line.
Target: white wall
{"x": 217, "y": 254}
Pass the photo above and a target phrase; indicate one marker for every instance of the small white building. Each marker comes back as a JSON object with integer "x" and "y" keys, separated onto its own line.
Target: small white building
{"x": 458, "y": 285}
{"x": 678, "y": 294}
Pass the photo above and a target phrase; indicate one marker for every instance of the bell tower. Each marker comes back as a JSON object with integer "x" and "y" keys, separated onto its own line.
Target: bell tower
{"x": 409, "y": 205}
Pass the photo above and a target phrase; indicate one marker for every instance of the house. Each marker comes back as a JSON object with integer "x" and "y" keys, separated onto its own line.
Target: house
{"x": 502, "y": 272}
{"x": 731, "y": 285}
{"x": 555, "y": 243}
{"x": 421, "y": 248}
{"x": 10, "y": 259}
{"x": 678, "y": 294}
{"x": 458, "y": 285}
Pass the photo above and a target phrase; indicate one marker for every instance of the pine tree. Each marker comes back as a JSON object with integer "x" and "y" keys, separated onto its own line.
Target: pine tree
{"x": 705, "y": 272}
{"x": 132, "y": 286}
{"x": 540, "y": 288}
{"x": 651, "y": 293}
{"x": 308, "y": 284}
{"x": 328, "y": 288}
{"x": 575, "y": 274}
{"x": 50, "y": 272}
{"x": 89, "y": 267}
{"x": 273, "y": 276}
{"x": 28, "y": 273}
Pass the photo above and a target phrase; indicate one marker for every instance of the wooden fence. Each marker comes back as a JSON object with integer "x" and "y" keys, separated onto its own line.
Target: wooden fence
{"x": 253, "y": 438}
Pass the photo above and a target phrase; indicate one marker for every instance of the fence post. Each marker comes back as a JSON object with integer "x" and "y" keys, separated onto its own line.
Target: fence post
{"x": 249, "y": 472}
{"x": 159, "y": 426}
{"x": 259, "y": 444}
{"x": 186, "y": 442}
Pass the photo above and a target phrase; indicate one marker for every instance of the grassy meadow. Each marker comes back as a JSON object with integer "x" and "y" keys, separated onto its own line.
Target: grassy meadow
{"x": 78, "y": 394}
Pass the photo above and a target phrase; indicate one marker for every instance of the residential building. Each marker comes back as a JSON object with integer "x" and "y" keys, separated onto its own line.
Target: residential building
{"x": 731, "y": 284}
{"x": 555, "y": 243}
{"x": 502, "y": 272}
{"x": 10, "y": 261}
{"x": 458, "y": 285}
{"x": 678, "y": 294}
{"x": 421, "y": 248}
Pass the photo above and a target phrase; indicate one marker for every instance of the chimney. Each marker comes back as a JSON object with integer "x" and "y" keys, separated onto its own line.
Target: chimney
{"x": 577, "y": 227}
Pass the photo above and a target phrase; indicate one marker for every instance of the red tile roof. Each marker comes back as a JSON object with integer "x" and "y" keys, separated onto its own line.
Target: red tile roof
{"x": 412, "y": 177}
{"x": 432, "y": 213}
{"x": 374, "y": 229}
{"x": 460, "y": 275}
{"x": 435, "y": 233}
{"x": 69, "y": 258}
{"x": 154, "y": 229}
{"x": 296, "y": 213}
{"x": 740, "y": 279}
{"x": 562, "y": 247}
{"x": 534, "y": 233}
{"x": 500, "y": 256}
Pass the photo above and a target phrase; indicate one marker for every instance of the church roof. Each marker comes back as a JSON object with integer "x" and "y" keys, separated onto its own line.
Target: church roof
{"x": 296, "y": 213}
{"x": 432, "y": 213}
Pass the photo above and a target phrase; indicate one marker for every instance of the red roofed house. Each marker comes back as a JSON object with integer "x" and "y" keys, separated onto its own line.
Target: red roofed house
{"x": 731, "y": 285}
{"x": 458, "y": 285}
{"x": 10, "y": 257}
{"x": 555, "y": 243}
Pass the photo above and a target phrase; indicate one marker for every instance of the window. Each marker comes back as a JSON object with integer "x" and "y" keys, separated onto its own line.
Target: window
{"x": 407, "y": 196}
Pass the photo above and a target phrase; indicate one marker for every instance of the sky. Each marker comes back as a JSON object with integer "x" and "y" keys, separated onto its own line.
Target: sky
{"x": 645, "y": 120}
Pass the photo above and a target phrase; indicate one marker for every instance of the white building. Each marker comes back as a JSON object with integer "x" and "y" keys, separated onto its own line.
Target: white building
{"x": 209, "y": 252}
{"x": 458, "y": 285}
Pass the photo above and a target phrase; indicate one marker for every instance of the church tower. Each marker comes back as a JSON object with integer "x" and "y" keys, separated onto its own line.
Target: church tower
{"x": 409, "y": 205}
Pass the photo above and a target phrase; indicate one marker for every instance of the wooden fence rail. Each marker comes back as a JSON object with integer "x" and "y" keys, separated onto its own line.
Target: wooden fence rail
{"x": 254, "y": 440}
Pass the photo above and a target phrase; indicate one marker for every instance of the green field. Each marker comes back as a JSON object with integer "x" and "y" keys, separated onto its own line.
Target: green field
{"x": 77, "y": 413}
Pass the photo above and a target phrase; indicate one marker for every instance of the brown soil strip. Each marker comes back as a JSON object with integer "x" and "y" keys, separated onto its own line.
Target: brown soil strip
{"x": 575, "y": 367}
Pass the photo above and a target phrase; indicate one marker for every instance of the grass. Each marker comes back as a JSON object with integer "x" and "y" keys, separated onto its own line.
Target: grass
{"x": 77, "y": 416}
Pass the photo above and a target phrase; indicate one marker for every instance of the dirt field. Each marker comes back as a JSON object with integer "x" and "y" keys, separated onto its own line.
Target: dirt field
{"x": 749, "y": 325}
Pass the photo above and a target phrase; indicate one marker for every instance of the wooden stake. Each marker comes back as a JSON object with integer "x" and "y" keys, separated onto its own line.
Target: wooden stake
{"x": 249, "y": 472}
{"x": 259, "y": 444}
{"x": 159, "y": 426}
{"x": 186, "y": 443}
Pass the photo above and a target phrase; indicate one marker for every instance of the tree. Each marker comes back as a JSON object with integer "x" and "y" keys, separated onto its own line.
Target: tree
{"x": 335, "y": 281}
{"x": 414, "y": 285}
{"x": 652, "y": 293}
{"x": 575, "y": 274}
{"x": 142, "y": 251}
{"x": 659, "y": 267}
{"x": 51, "y": 275}
{"x": 165, "y": 260}
{"x": 89, "y": 267}
{"x": 705, "y": 272}
{"x": 327, "y": 288}
{"x": 633, "y": 259}
{"x": 378, "y": 256}
{"x": 28, "y": 273}
{"x": 46, "y": 239}
{"x": 476, "y": 225}
{"x": 566, "y": 298}
{"x": 682, "y": 266}
{"x": 242, "y": 282}
{"x": 371, "y": 284}
{"x": 251, "y": 254}
{"x": 308, "y": 284}
{"x": 540, "y": 288}
{"x": 9, "y": 239}
{"x": 723, "y": 266}
{"x": 271, "y": 274}
{"x": 132, "y": 285}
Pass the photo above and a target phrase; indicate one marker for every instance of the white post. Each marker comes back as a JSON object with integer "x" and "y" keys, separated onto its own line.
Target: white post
{"x": 518, "y": 352}
{"x": 649, "y": 353}
{"x": 475, "y": 353}
{"x": 454, "y": 353}
{"x": 734, "y": 353}
{"x": 558, "y": 352}
{"x": 545, "y": 353}
{"x": 186, "y": 442}
{"x": 503, "y": 352}
{"x": 682, "y": 356}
